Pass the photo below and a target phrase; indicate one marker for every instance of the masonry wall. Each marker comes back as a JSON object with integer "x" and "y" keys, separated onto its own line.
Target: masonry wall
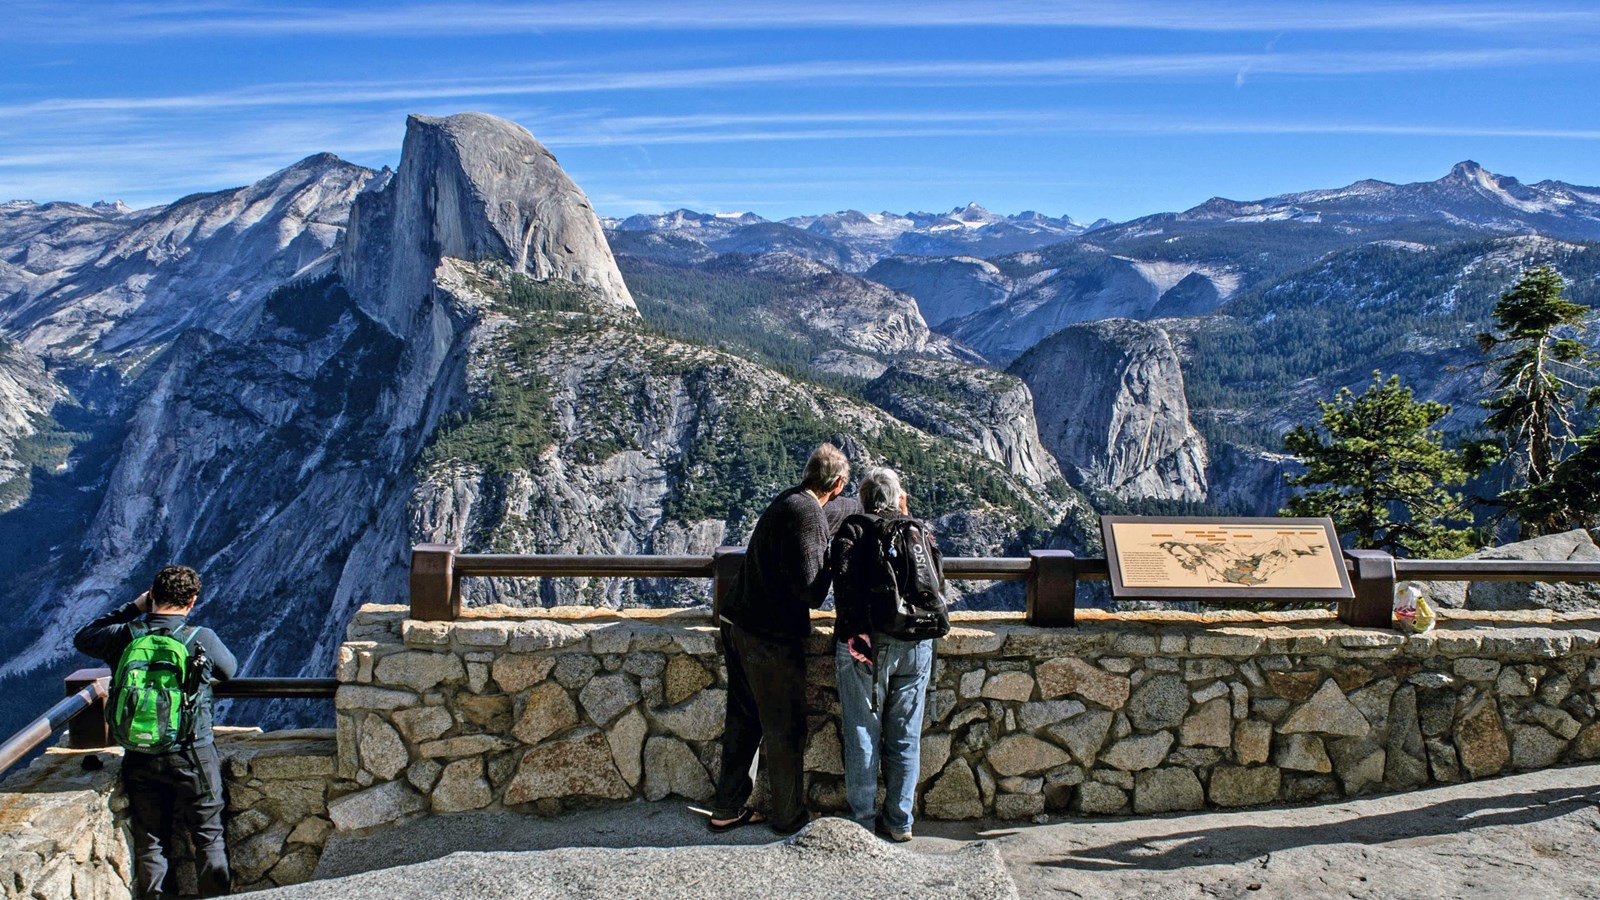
{"x": 63, "y": 820}
{"x": 1127, "y": 714}
{"x": 543, "y": 711}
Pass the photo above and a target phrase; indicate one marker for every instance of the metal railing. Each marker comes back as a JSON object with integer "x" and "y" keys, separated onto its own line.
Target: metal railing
{"x": 83, "y": 710}
{"x": 1052, "y": 576}
{"x": 80, "y": 698}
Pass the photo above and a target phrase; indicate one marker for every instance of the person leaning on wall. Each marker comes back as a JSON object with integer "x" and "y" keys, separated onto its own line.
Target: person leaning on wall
{"x": 882, "y": 677}
{"x": 181, "y": 785}
{"x": 766, "y": 618}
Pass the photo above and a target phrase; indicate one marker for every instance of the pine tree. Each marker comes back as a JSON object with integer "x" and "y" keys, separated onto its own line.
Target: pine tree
{"x": 1540, "y": 358}
{"x": 1385, "y": 471}
{"x": 1570, "y": 497}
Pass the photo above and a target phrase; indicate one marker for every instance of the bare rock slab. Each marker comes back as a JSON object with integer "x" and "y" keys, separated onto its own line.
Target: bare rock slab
{"x": 823, "y": 858}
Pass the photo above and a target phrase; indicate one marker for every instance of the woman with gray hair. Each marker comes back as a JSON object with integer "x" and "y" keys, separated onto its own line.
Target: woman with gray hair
{"x": 882, "y": 678}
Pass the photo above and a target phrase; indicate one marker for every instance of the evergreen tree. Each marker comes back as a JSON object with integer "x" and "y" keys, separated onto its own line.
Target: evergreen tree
{"x": 1570, "y": 497}
{"x": 1385, "y": 472}
{"x": 1536, "y": 391}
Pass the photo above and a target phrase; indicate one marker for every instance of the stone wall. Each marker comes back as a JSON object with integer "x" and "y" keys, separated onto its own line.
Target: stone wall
{"x": 61, "y": 832}
{"x": 278, "y": 784}
{"x": 63, "y": 820}
{"x": 1143, "y": 713}
{"x": 545, "y": 710}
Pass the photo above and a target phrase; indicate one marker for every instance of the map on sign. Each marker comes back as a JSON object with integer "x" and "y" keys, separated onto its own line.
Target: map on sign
{"x": 1267, "y": 555}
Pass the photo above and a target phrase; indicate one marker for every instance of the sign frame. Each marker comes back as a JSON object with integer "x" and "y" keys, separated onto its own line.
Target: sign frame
{"x": 1120, "y": 589}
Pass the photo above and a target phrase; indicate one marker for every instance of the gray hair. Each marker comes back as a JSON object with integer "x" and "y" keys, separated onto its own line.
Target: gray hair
{"x": 881, "y": 491}
{"x": 825, "y": 467}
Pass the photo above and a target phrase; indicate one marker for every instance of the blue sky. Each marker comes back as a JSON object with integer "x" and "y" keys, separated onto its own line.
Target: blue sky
{"x": 1115, "y": 109}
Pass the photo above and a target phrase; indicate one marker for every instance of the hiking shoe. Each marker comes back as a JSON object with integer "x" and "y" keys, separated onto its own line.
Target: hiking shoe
{"x": 893, "y": 834}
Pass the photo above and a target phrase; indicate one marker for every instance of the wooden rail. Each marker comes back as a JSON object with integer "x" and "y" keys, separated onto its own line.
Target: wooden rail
{"x": 1052, "y": 576}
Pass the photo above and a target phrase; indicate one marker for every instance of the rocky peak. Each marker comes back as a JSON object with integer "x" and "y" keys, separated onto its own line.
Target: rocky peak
{"x": 1110, "y": 405}
{"x": 989, "y": 411}
{"x": 472, "y": 187}
{"x": 115, "y": 283}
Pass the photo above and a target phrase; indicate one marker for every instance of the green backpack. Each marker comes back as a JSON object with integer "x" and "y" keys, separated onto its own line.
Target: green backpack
{"x": 155, "y": 692}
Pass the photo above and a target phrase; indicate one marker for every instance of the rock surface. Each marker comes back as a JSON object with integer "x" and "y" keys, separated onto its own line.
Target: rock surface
{"x": 988, "y": 411}
{"x": 1092, "y": 284}
{"x": 108, "y": 280}
{"x": 815, "y": 862}
{"x": 1520, "y": 836}
{"x": 946, "y": 288}
{"x": 1576, "y": 545}
{"x": 471, "y": 187}
{"x": 1121, "y": 422}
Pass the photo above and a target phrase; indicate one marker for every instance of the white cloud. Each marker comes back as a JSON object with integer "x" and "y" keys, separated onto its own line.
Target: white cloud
{"x": 133, "y": 21}
{"x": 310, "y": 94}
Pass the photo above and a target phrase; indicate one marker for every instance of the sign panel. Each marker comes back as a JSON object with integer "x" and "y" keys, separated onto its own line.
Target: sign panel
{"x": 1197, "y": 558}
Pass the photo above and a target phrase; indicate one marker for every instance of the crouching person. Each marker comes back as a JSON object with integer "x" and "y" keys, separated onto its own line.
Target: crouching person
{"x": 888, "y": 587}
{"x": 159, "y": 709}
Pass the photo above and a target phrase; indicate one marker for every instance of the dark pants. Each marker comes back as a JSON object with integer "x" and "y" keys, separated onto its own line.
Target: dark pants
{"x": 766, "y": 707}
{"x": 168, "y": 790}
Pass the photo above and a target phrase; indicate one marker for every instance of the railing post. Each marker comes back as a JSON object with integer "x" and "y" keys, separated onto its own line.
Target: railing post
{"x": 88, "y": 729}
{"x": 725, "y": 563}
{"x": 434, "y": 596}
{"x": 1373, "y": 581}
{"x": 1053, "y": 588}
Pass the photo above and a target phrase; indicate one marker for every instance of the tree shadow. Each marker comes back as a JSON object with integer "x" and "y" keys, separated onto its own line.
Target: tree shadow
{"x": 1229, "y": 844}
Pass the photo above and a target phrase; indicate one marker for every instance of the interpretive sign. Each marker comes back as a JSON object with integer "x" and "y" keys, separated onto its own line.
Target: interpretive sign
{"x": 1217, "y": 558}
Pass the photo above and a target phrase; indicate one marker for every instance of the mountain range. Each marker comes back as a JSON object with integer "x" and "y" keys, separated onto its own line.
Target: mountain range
{"x": 287, "y": 384}
{"x": 851, "y": 241}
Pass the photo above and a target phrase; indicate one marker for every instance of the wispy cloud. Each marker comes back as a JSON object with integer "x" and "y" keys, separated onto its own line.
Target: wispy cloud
{"x": 149, "y": 169}
{"x": 1140, "y": 67}
{"x": 134, "y": 21}
{"x": 900, "y": 123}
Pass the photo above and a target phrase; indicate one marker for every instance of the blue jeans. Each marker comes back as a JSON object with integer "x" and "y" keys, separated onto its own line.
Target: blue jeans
{"x": 881, "y": 716}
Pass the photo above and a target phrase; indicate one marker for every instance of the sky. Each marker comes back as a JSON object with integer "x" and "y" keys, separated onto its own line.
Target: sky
{"x": 1097, "y": 109}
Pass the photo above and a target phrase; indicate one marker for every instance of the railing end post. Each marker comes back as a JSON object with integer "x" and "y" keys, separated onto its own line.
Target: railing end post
{"x": 88, "y": 729}
{"x": 725, "y": 563}
{"x": 1053, "y": 588}
{"x": 434, "y": 592}
{"x": 1372, "y": 579}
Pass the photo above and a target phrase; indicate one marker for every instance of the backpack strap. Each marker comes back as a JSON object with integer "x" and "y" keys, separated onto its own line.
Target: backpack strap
{"x": 183, "y": 634}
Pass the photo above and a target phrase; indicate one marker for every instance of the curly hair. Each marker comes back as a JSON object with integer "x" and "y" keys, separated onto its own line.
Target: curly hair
{"x": 173, "y": 587}
{"x": 881, "y": 492}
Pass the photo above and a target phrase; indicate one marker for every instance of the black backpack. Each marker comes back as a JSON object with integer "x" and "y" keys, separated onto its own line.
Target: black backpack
{"x": 906, "y": 600}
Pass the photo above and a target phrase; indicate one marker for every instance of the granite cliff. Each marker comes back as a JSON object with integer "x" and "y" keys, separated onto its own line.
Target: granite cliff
{"x": 1119, "y": 422}
{"x": 989, "y": 411}
{"x": 471, "y": 187}
{"x": 268, "y": 433}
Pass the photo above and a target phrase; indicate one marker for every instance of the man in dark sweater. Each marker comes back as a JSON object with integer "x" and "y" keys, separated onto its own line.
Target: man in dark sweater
{"x": 183, "y": 785}
{"x": 765, "y": 620}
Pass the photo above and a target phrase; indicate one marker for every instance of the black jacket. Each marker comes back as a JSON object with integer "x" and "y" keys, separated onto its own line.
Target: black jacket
{"x": 785, "y": 571}
{"x": 106, "y": 637}
{"x": 856, "y": 570}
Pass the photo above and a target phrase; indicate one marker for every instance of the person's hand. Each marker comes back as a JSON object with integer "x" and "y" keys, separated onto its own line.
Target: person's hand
{"x": 143, "y": 603}
{"x": 855, "y": 643}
